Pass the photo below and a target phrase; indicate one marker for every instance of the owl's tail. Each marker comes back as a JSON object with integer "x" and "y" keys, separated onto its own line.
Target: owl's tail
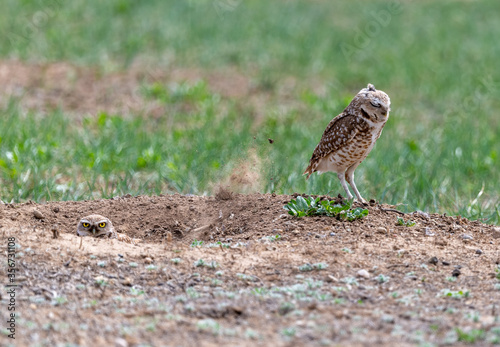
{"x": 310, "y": 169}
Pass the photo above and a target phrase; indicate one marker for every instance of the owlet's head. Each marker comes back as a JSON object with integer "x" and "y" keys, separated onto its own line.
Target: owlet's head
{"x": 373, "y": 104}
{"x": 95, "y": 225}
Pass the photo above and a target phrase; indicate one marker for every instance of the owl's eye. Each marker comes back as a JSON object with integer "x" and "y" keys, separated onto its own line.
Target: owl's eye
{"x": 375, "y": 104}
{"x": 85, "y": 225}
{"x": 102, "y": 225}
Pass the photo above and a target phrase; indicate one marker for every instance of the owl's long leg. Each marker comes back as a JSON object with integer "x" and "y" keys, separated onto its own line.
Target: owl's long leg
{"x": 349, "y": 175}
{"x": 344, "y": 185}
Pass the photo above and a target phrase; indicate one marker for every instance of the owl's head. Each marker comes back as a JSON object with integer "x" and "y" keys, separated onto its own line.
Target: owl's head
{"x": 374, "y": 104}
{"x": 95, "y": 225}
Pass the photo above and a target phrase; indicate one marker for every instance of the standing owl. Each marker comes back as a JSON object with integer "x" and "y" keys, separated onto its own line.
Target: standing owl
{"x": 350, "y": 136}
{"x": 99, "y": 226}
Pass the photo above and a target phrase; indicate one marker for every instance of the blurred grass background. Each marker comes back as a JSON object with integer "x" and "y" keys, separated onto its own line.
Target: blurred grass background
{"x": 436, "y": 60}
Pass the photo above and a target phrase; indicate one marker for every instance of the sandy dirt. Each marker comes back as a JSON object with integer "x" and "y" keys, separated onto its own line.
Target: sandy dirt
{"x": 180, "y": 287}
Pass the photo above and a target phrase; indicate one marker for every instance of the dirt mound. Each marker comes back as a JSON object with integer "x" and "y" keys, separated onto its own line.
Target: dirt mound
{"x": 237, "y": 270}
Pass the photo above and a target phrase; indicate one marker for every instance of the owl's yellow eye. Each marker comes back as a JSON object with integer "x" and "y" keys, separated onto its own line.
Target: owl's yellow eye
{"x": 85, "y": 225}
{"x": 102, "y": 225}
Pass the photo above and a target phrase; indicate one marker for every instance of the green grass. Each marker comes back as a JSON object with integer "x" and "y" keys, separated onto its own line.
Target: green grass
{"x": 49, "y": 157}
{"x": 437, "y": 60}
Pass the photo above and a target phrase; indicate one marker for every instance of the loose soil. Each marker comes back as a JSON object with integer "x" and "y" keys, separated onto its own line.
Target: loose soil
{"x": 254, "y": 288}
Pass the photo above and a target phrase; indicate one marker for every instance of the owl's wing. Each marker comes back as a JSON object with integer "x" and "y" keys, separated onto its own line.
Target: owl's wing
{"x": 340, "y": 131}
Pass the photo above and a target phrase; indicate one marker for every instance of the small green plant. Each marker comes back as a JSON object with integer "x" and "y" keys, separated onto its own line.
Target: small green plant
{"x": 272, "y": 238}
{"x": 302, "y": 207}
{"x": 251, "y": 334}
{"x": 215, "y": 244}
{"x": 216, "y": 282}
{"x": 382, "y": 278}
{"x": 350, "y": 280}
{"x": 202, "y": 263}
{"x": 259, "y": 291}
{"x": 101, "y": 263}
{"x": 59, "y": 300}
{"x": 246, "y": 277}
{"x": 305, "y": 267}
{"x": 192, "y": 293}
{"x": 176, "y": 260}
{"x": 320, "y": 266}
{"x": 136, "y": 291}
{"x": 133, "y": 264}
{"x": 101, "y": 282}
{"x": 289, "y": 332}
{"x": 199, "y": 262}
{"x": 209, "y": 325}
{"x": 311, "y": 267}
{"x": 471, "y": 336}
{"x": 408, "y": 223}
{"x": 196, "y": 243}
{"x": 347, "y": 250}
{"x": 455, "y": 294}
{"x": 285, "y": 308}
{"x": 212, "y": 265}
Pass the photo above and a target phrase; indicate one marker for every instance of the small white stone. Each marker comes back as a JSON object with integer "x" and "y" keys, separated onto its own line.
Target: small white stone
{"x": 363, "y": 273}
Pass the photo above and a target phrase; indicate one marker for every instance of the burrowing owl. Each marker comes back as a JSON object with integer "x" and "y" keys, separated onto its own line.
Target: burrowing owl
{"x": 350, "y": 136}
{"x": 99, "y": 226}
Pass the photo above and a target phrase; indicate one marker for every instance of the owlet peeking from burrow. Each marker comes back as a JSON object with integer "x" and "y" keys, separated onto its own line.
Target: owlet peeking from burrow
{"x": 99, "y": 226}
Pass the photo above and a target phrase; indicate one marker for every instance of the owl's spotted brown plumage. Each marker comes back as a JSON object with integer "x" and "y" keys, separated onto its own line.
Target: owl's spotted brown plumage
{"x": 350, "y": 136}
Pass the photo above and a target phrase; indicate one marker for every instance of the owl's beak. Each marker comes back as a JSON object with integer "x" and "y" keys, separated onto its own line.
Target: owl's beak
{"x": 93, "y": 230}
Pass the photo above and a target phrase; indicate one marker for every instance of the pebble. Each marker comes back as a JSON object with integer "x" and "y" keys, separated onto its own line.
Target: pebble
{"x": 428, "y": 232}
{"x": 127, "y": 281}
{"x": 456, "y": 272}
{"x": 496, "y": 232}
{"x": 363, "y": 273}
{"x": 446, "y": 263}
{"x": 99, "y": 278}
{"x": 478, "y": 251}
{"x": 467, "y": 237}
{"x": 119, "y": 342}
{"x": 332, "y": 234}
{"x": 433, "y": 260}
{"x": 148, "y": 260}
{"x": 388, "y": 319}
{"x": 38, "y": 214}
{"x": 381, "y": 230}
